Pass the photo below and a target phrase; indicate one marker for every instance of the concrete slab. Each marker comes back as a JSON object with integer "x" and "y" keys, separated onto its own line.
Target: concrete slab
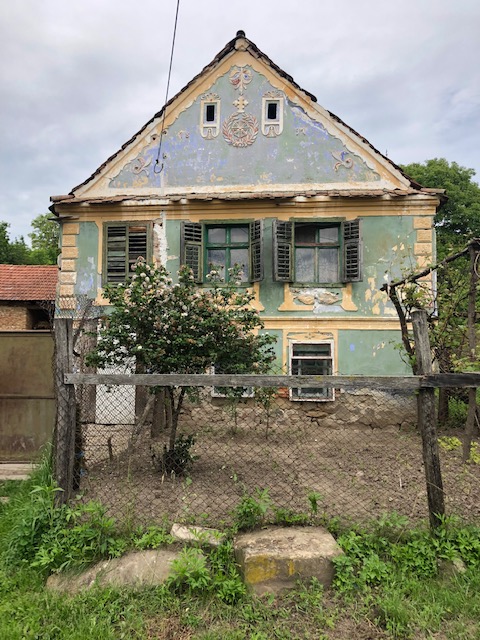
{"x": 273, "y": 559}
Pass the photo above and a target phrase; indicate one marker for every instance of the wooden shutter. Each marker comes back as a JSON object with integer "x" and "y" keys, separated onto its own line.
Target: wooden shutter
{"x": 191, "y": 248}
{"x": 116, "y": 253}
{"x": 352, "y": 251}
{"x": 282, "y": 251}
{"x": 256, "y": 251}
{"x": 124, "y": 244}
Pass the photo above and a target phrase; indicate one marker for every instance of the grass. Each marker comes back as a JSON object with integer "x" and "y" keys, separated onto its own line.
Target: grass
{"x": 387, "y": 585}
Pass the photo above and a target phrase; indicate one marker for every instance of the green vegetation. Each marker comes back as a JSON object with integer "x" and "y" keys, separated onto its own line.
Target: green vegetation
{"x": 44, "y": 243}
{"x": 180, "y": 328}
{"x": 393, "y": 581}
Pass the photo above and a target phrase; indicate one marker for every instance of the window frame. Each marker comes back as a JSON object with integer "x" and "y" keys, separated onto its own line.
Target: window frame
{"x": 330, "y": 392}
{"x": 350, "y": 250}
{"x": 209, "y": 129}
{"x": 228, "y": 246}
{"x": 193, "y": 247}
{"x": 318, "y": 248}
{"x": 117, "y": 224}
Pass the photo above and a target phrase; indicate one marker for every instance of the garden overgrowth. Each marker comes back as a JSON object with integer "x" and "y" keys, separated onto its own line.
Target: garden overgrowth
{"x": 393, "y": 581}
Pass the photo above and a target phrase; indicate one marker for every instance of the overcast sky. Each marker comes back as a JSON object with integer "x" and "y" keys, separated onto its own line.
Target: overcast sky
{"x": 79, "y": 77}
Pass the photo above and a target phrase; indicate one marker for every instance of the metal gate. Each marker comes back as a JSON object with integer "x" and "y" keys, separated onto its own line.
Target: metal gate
{"x": 27, "y": 398}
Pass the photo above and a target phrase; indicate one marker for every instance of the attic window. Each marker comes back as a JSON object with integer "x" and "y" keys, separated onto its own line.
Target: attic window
{"x": 210, "y": 113}
{"x": 272, "y": 114}
{"x": 210, "y": 116}
{"x": 272, "y": 110}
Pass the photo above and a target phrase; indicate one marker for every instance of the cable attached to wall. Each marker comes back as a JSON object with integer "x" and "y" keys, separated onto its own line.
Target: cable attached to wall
{"x": 166, "y": 94}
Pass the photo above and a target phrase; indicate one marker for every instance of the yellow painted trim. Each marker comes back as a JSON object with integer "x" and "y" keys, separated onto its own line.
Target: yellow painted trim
{"x": 292, "y": 323}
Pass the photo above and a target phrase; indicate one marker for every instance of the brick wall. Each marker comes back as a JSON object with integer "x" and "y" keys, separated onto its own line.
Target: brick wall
{"x": 14, "y": 318}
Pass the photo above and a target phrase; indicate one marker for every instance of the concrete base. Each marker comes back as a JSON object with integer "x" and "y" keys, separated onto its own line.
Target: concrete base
{"x": 273, "y": 559}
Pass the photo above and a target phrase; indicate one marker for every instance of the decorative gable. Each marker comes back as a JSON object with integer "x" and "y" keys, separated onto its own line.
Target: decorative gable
{"x": 243, "y": 125}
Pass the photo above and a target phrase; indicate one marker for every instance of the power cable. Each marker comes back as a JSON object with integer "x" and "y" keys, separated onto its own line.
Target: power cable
{"x": 166, "y": 93}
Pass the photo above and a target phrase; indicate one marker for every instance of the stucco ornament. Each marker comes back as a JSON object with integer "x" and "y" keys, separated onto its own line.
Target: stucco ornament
{"x": 140, "y": 164}
{"x": 240, "y": 129}
{"x": 319, "y": 296}
{"x": 343, "y": 161}
{"x": 240, "y": 77}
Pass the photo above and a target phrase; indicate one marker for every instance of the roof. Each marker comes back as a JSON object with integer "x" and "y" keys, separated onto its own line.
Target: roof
{"x": 228, "y": 49}
{"x": 28, "y": 282}
{"x": 246, "y": 195}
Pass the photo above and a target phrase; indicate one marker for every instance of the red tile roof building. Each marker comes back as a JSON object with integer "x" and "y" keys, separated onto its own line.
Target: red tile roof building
{"x": 28, "y": 281}
{"x": 22, "y": 287}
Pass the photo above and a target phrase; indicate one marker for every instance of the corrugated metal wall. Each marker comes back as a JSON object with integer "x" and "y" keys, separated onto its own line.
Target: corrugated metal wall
{"x": 27, "y": 398}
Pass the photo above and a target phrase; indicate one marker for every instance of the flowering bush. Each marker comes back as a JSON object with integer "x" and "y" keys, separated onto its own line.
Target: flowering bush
{"x": 182, "y": 328}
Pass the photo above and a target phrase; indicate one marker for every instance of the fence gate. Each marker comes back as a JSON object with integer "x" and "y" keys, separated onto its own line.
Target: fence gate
{"x": 27, "y": 398}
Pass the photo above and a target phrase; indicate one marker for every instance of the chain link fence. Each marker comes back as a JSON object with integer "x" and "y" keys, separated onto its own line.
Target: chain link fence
{"x": 359, "y": 455}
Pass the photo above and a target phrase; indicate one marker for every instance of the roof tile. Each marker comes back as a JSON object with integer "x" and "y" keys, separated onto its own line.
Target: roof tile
{"x": 28, "y": 282}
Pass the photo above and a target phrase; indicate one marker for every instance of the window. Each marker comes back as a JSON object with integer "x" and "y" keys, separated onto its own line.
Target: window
{"x": 224, "y": 245}
{"x": 317, "y": 252}
{"x": 210, "y": 113}
{"x": 311, "y": 359}
{"x": 272, "y": 110}
{"x": 227, "y": 246}
{"x": 210, "y": 116}
{"x": 272, "y": 114}
{"x": 124, "y": 243}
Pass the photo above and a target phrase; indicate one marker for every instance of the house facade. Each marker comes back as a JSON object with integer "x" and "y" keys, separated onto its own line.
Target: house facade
{"x": 244, "y": 167}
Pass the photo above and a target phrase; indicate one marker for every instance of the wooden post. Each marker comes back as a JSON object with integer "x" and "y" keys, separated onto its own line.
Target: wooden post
{"x": 64, "y": 434}
{"x": 88, "y": 393}
{"x": 472, "y": 349}
{"x": 427, "y": 421}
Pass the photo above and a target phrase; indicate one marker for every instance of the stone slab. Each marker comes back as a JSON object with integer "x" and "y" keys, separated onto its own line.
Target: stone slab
{"x": 138, "y": 569}
{"x": 15, "y": 470}
{"x": 198, "y": 535}
{"x": 273, "y": 559}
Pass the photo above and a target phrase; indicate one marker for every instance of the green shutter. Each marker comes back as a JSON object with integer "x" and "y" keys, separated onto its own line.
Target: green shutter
{"x": 124, "y": 244}
{"x": 116, "y": 253}
{"x": 191, "y": 248}
{"x": 256, "y": 251}
{"x": 352, "y": 251}
{"x": 282, "y": 251}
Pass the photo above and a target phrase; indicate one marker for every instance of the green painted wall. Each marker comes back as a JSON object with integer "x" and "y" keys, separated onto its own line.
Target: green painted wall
{"x": 87, "y": 267}
{"x": 371, "y": 353}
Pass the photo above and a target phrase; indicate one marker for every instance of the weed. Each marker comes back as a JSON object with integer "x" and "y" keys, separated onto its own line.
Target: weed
{"x": 314, "y": 498}
{"x": 175, "y": 461}
{"x": 252, "y": 509}
{"x": 151, "y": 538}
{"x": 216, "y": 573}
{"x": 289, "y": 518}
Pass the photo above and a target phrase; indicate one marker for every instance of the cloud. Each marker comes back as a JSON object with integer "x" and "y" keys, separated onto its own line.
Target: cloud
{"x": 79, "y": 78}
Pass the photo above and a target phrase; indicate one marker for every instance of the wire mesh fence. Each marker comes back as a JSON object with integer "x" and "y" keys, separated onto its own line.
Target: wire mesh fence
{"x": 359, "y": 454}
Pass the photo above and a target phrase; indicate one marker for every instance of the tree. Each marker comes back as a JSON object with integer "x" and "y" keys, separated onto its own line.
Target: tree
{"x": 180, "y": 328}
{"x": 44, "y": 238}
{"x": 457, "y": 221}
{"x": 458, "y": 218}
{"x": 16, "y": 252}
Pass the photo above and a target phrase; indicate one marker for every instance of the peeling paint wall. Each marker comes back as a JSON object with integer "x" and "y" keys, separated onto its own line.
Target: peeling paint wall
{"x": 240, "y": 153}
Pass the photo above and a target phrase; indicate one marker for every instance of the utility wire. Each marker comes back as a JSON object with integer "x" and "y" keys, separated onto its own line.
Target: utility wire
{"x": 166, "y": 93}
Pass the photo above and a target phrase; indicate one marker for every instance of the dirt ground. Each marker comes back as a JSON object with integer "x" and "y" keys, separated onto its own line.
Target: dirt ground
{"x": 358, "y": 474}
